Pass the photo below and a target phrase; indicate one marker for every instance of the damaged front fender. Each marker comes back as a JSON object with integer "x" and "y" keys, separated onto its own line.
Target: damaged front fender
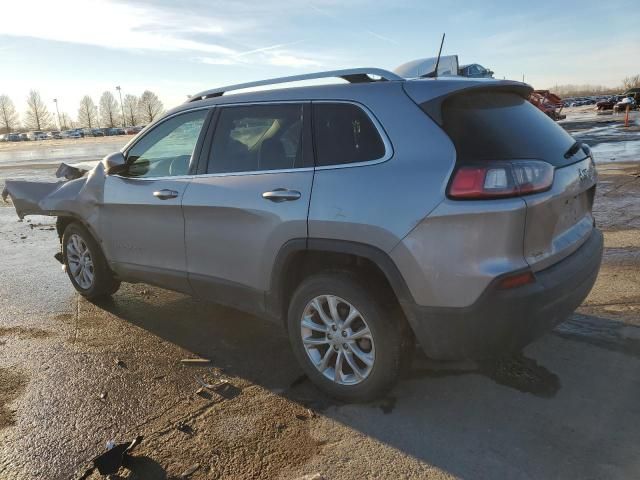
{"x": 78, "y": 197}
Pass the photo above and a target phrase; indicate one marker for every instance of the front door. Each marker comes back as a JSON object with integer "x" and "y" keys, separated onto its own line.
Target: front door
{"x": 253, "y": 198}
{"x": 142, "y": 220}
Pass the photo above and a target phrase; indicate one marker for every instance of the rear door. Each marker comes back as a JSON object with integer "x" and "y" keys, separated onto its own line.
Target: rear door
{"x": 250, "y": 200}
{"x": 495, "y": 125}
{"x": 142, "y": 221}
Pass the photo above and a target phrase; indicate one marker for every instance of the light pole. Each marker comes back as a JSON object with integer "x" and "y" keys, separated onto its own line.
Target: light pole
{"x": 121, "y": 104}
{"x": 55, "y": 100}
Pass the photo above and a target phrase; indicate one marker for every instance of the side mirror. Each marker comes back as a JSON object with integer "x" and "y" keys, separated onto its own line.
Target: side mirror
{"x": 114, "y": 163}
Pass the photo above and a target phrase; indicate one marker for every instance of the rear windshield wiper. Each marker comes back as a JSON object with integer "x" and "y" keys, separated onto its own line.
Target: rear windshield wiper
{"x": 573, "y": 150}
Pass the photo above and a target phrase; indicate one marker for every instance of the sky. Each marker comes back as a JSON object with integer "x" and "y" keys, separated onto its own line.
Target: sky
{"x": 66, "y": 49}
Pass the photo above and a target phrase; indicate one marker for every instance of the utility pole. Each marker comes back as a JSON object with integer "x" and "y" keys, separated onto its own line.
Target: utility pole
{"x": 55, "y": 100}
{"x": 121, "y": 104}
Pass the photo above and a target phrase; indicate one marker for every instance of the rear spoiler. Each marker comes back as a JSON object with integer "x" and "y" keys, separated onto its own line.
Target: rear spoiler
{"x": 430, "y": 94}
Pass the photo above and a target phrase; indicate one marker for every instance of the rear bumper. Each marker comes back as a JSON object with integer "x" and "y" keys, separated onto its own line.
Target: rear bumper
{"x": 506, "y": 320}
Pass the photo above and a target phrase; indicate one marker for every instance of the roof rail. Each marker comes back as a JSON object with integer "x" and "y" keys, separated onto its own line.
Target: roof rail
{"x": 352, "y": 75}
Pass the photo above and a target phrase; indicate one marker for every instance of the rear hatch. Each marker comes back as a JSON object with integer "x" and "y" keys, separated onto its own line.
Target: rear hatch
{"x": 499, "y": 125}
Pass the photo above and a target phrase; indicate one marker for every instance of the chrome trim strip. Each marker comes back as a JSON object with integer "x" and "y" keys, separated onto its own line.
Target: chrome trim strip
{"x": 153, "y": 179}
{"x": 254, "y": 172}
{"x": 388, "y": 147}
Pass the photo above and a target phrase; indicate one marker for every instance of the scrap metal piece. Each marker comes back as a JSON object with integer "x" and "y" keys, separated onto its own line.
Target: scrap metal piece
{"x": 110, "y": 461}
{"x": 195, "y": 361}
{"x": 69, "y": 172}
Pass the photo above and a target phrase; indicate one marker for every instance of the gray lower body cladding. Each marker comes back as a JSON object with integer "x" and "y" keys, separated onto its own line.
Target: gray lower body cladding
{"x": 501, "y": 321}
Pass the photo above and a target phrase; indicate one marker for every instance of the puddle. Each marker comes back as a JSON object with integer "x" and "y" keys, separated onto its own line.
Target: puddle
{"x": 515, "y": 371}
{"x": 12, "y": 385}
{"x": 600, "y": 332}
{"x": 24, "y": 333}
{"x": 522, "y": 374}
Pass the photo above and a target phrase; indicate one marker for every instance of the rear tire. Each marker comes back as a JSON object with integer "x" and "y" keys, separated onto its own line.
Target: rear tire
{"x": 352, "y": 360}
{"x": 86, "y": 265}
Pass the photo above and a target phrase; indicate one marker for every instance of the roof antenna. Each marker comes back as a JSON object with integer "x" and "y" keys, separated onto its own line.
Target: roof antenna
{"x": 435, "y": 73}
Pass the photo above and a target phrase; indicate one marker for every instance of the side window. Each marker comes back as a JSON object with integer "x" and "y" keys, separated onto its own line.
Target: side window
{"x": 344, "y": 133}
{"x": 259, "y": 137}
{"x": 167, "y": 149}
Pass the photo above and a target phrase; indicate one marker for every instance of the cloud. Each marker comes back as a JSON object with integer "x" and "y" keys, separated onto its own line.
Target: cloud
{"x": 277, "y": 55}
{"x": 111, "y": 25}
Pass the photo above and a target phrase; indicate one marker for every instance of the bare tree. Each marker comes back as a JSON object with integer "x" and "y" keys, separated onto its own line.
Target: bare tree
{"x": 149, "y": 107}
{"x": 109, "y": 111}
{"x": 88, "y": 113}
{"x": 66, "y": 121}
{"x": 37, "y": 117}
{"x": 631, "y": 82}
{"x": 130, "y": 106}
{"x": 582, "y": 90}
{"x": 8, "y": 115}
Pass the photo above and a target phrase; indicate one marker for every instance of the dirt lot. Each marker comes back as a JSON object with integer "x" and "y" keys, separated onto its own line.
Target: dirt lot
{"x": 74, "y": 375}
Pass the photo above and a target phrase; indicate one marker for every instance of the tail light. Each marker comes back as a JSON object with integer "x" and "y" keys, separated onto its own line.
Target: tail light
{"x": 500, "y": 179}
{"x": 517, "y": 280}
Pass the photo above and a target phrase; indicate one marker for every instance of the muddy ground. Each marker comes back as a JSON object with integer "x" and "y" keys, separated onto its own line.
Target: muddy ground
{"x": 74, "y": 375}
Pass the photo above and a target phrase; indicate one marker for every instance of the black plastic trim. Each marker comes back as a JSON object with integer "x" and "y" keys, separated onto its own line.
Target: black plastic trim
{"x": 275, "y": 295}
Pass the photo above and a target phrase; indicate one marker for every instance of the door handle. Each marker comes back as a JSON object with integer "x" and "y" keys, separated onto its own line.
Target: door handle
{"x": 165, "y": 194}
{"x": 281, "y": 195}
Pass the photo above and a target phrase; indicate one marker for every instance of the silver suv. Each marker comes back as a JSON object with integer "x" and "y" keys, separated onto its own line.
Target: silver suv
{"x": 359, "y": 216}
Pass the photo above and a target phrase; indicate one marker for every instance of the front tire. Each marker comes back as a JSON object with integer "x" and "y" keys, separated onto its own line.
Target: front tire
{"x": 348, "y": 343}
{"x": 86, "y": 265}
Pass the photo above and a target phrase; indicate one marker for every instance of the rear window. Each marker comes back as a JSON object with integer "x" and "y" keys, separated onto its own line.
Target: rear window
{"x": 502, "y": 126}
{"x": 344, "y": 133}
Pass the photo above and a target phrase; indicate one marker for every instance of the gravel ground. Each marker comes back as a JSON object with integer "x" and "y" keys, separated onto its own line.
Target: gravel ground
{"x": 74, "y": 375}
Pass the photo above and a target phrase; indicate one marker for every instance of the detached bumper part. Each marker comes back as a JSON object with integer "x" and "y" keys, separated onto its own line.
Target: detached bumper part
{"x": 502, "y": 321}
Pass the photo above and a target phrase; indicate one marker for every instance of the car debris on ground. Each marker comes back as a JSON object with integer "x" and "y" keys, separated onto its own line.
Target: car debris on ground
{"x": 195, "y": 361}
{"x": 109, "y": 462}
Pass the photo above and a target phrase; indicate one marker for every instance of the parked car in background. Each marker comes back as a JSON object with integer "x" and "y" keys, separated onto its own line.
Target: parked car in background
{"x": 24, "y": 137}
{"x": 71, "y": 134}
{"x": 133, "y": 130}
{"x": 55, "y": 134}
{"x": 475, "y": 70}
{"x": 607, "y": 104}
{"x": 92, "y": 132}
{"x": 38, "y": 135}
{"x": 624, "y": 104}
{"x": 114, "y": 131}
{"x": 633, "y": 93}
{"x": 478, "y": 237}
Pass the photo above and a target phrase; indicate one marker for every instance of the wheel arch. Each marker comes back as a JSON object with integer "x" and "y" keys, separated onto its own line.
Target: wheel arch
{"x": 299, "y": 258}
{"x": 66, "y": 218}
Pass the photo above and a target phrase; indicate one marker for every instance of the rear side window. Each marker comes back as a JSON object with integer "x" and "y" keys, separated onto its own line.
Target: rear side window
{"x": 258, "y": 138}
{"x": 344, "y": 133}
{"x": 502, "y": 126}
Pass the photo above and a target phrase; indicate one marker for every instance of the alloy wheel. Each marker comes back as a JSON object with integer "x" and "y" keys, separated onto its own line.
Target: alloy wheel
{"x": 337, "y": 340}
